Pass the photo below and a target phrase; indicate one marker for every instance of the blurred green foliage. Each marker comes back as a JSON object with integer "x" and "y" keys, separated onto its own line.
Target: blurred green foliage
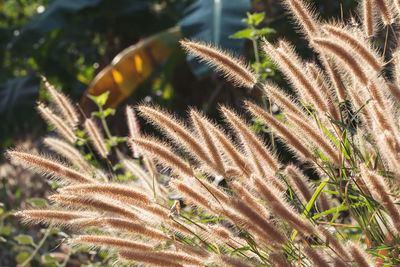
{"x": 69, "y": 42}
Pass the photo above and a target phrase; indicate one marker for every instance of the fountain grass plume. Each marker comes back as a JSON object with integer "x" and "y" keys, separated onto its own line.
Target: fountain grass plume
{"x": 234, "y": 69}
{"x": 48, "y": 166}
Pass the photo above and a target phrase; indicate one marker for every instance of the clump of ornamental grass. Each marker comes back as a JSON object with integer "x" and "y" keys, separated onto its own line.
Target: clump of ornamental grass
{"x": 336, "y": 205}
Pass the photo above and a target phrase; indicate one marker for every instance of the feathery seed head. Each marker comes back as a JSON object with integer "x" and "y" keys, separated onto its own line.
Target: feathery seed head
{"x": 230, "y": 150}
{"x": 48, "y": 166}
{"x": 349, "y": 60}
{"x": 144, "y": 177}
{"x": 293, "y": 68}
{"x": 304, "y": 16}
{"x": 234, "y": 69}
{"x": 284, "y": 100}
{"x": 250, "y": 140}
{"x": 69, "y": 152}
{"x": 163, "y": 153}
{"x": 59, "y": 125}
{"x": 281, "y": 130}
{"x": 194, "y": 195}
{"x": 369, "y": 17}
{"x": 379, "y": 189}
{"x": 150, "y": 257}
{"x": 108, "y": 241}
{"x": 176, "y": 131}
{"x": 133, "y": 126}
{"x": 334, "y": 243}
{"x": 63, "y": 103}
{"x": 96, "y": 137}
{"x": 358, "y": 256}
{"x": 103, "y": 204}
{"x": 57, "y": 216}
{"x": 385, "y": 11}
{"x": 201, "y": 125}
{"x": 119, "y": 192}
{"x": 355, "y": 44}
{"x": 319, "y": 140}
{"x": 315, "y": 256}
{"x": 280, "y": 207}
{"x": 267, "y": 227}
{"x": 225, "y": 260}
{"x": 299, "y": 183}
{"x": 124, "y": 225}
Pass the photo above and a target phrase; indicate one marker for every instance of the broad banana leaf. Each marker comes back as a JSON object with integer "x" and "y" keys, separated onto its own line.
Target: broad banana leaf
{"x": 131, "y": 67}
{"x": 211, "y": 21}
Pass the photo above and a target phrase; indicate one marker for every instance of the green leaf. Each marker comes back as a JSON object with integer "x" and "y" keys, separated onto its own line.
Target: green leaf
{"x": 100, "y": 100}
{"x": 117, "y": 166}
{"x": 311, "y": 202}
{"x": 54, "y": 231}
{"x": 247, "y": 33}
{"x": 22, "y": 256}
{"x": 264, "y": 31}
{"x": 256, "y": 18}
{"x": 97, "y": 114}
{"x": 314, "y": 197}
{"x": 121, "y": 139}
{"x": 104, "y": 113}
{"x": 80, "y": 133}
{"x": 37, "y": 202}
{"x": 48, "y": 259}
{"x": 334, "y": 140}
{"x": 103, "y": 254}
{"x": 5, "y": 230}
{"x": 121, "y": 177}
{"x": 346, "y": 149}
{"x": 24, "y": 240}
{"x": 245, "y": 248}
{"x": 2, "y": 239}
{"x": 108, "y": 112}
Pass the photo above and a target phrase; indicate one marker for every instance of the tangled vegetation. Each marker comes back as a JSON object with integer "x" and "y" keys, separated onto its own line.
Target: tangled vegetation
{"x": 208, "y": 196}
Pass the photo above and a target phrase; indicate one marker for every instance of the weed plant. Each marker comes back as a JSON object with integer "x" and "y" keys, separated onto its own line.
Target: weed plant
{"x": 207, "y": 196}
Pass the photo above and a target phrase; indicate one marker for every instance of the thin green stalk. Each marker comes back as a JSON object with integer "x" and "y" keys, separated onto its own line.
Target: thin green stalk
{"x": 37, "y": 247}
{"x": 256, "y": 55}
{"x": 108, "y": 134}
{"x": 64, "y": 263}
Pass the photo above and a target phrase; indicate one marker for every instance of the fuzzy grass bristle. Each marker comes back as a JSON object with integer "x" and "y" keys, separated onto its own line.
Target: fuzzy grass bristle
{"x": 234, "y": 69}
{"x": 355, "y": 44}
{"x": 369, "y": 17}
{"x": 96, "y": 137}
{"x": 333, "y": 48}
{"x": 305, "y": 18}
{"x": 63, "y": 103}
{"x": 69, "y": 152}
{"x": 251, "y": 141}
{"x": 48, "y": 166}
{"x": 281, "y": 130}
{"x": 104, "y": 205}
{"x": 163, "y": 153}
{"x": 59, "y": 125}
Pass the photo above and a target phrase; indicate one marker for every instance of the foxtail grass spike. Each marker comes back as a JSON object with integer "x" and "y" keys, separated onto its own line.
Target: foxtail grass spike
{"x": 96, "y": 137}
{"x": 48, "y": 166}
{"x": 234, "y": 69}
{"x": 59, "y": 125}
{"x": 63, "y": 103}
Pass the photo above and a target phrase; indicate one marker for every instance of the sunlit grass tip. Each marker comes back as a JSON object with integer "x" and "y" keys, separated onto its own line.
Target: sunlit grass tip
{"x": 234, "y": 69}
